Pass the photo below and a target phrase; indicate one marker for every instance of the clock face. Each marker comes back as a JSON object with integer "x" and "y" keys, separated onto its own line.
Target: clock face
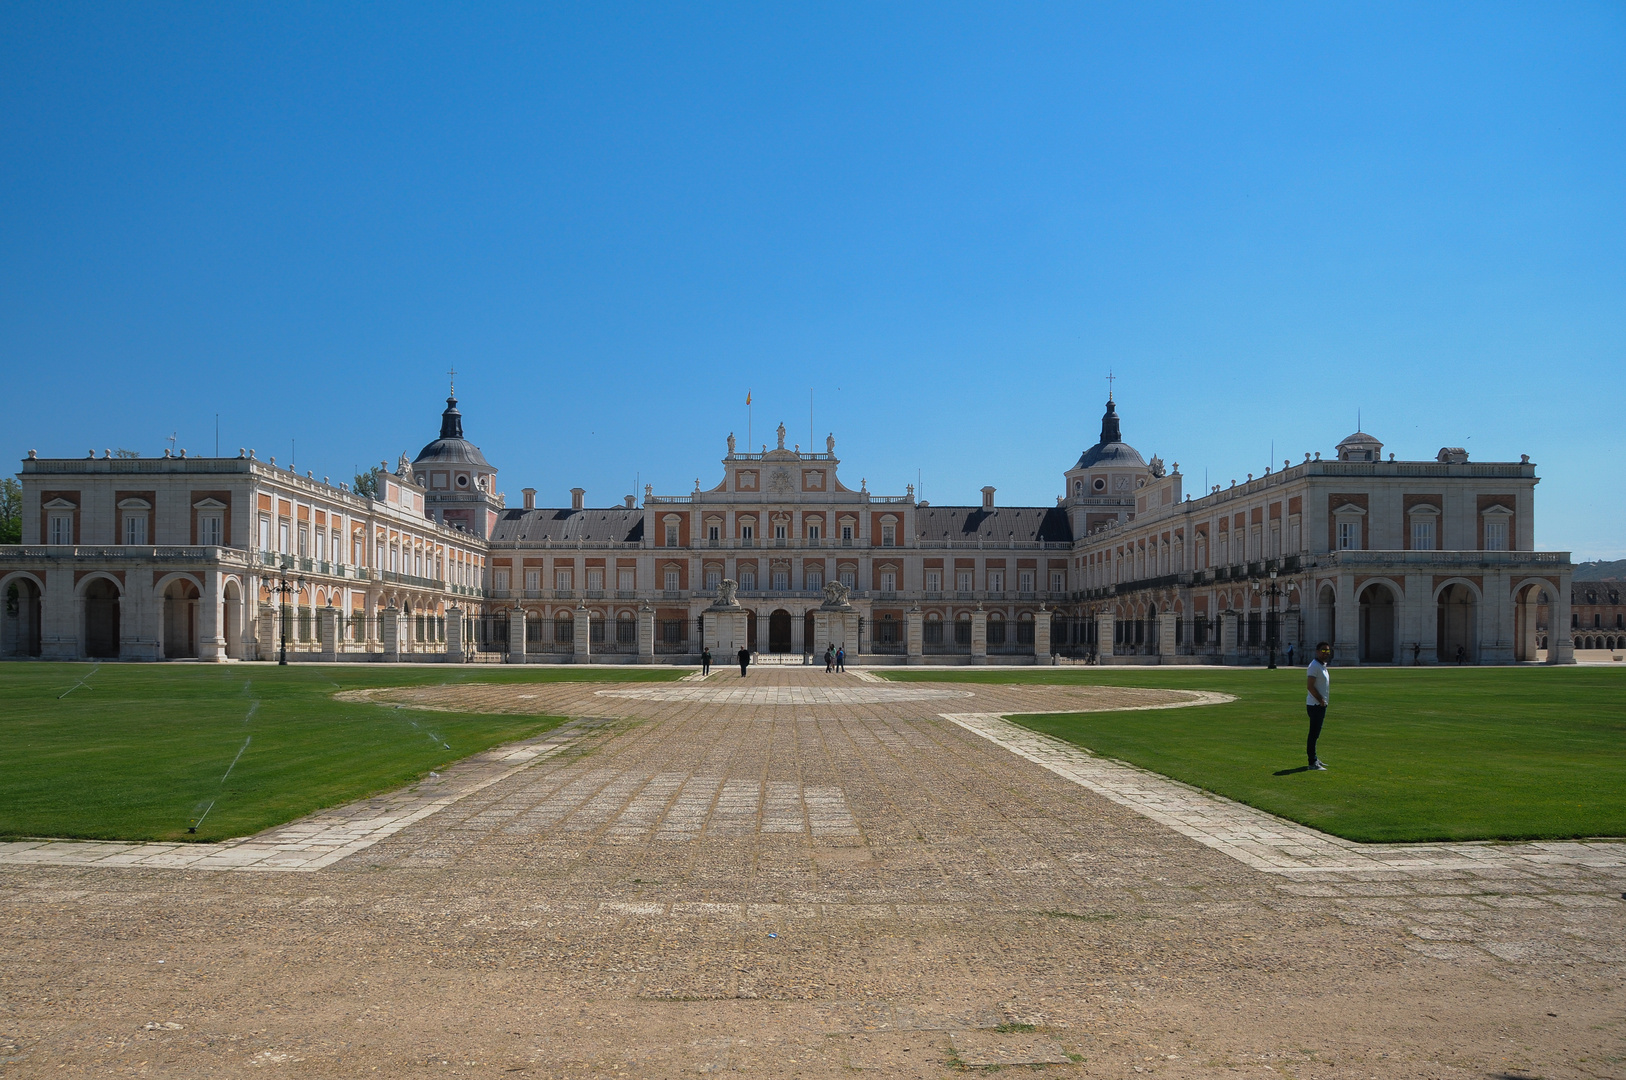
{"x": 1120, "y": 483}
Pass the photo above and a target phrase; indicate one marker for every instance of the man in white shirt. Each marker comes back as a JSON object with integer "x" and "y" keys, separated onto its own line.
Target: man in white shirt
{"x": 1318, "y": 681}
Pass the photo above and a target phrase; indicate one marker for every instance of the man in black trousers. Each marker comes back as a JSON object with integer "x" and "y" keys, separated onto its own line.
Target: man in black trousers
{"x": 1318, "y": 681}
{"x": 745, "y": 660}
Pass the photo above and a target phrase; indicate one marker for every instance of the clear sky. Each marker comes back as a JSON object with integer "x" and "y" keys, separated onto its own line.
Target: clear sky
{"x": 946, "y": 221}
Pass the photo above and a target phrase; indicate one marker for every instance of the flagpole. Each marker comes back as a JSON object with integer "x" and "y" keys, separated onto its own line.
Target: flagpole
{"x": 749, "y": 442}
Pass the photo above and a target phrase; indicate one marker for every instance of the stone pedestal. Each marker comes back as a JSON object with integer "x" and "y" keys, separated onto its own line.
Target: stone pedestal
{"x": 914, "y": 636}
{"x": 1228, "y": 636}
{"x": 1105, "y": 630}
{"x": 1165, "y": 634}
{"x": 327, "y": 631}
{"x": 516, "y": 636}
{"x": 723, "y": 632}
{"x": 581, "y": 644}
{"x": 389, "y": 632}
{"x": 646, "y": 635}
{"x": 979, "y": 636}
{"x": 266, "y": 632}
{"x": 454, "y": 635}
{"x": 1041, "y": 635}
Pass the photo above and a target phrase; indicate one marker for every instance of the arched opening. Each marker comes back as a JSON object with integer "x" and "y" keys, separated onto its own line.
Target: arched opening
{"x": 180, "y": 620}
{"x": 101, "y": 619}
{"x": 1526, "y": 633}
{"x": 1377, "y": 606}
{"x": 779, "y": 631}
{"x": 20, "y": 630}
{"x": 1456, "y": 623}
{"x": 751, "y": 631}
{"x": 1326, "y": 615}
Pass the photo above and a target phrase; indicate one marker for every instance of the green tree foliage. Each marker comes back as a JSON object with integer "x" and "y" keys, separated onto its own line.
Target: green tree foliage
{"x": 121, "y": 452}
{"x": 367, "y": 483}
{"x": 11, "y": 511}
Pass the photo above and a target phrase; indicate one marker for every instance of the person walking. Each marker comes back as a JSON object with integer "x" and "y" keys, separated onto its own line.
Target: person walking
{"x": 705, "y": 661}
{"x": 1318, "y": 681}
{"x": 745, "y": 660}
{"x": 830, "y": 658}
{"x": 841, "y": 658}
{"x": 1289, "y": 654}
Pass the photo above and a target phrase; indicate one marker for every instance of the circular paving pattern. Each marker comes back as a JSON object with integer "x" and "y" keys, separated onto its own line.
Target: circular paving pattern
{"x": 783, "y": 695}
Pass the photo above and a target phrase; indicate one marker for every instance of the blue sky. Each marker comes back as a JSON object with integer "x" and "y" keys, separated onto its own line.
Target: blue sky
{"x": 946, "y": 221}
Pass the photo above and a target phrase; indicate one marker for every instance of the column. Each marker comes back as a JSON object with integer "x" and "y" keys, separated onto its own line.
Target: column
{"x": 979, "y": 636}
{"x": 62, "y": 617}
{"x": 389, "y": 632}
{"x": 1228, "y": 636}
{"x": 914, "y": 636}
{"x": 1104, "y": 633}
{"x": 1041, "y": 635}
{"x": 1347, "y": 633}
{"x": 582, "y": 631}
{"x": 1496, "y": 619}
{"x": 646, "y": 635}
{"x": 1560, "y": 646}
{"x": 327, "y": 632}
{"x": 798, "y": 632}
{"x": 516, "y": 636}
{"x": 454, "y": 634}
{"x": 211, "y": 641}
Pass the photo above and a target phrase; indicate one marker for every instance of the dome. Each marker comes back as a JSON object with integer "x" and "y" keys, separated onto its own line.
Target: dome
{"x": 452, "y": 448}
{"x": 1359, "y": 447}
{"x": 1111, "y": 450}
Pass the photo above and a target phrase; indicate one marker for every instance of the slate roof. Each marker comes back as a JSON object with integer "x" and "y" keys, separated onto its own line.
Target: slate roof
{"x": 1048, "y": 523}
{"x": 566, "y": 526}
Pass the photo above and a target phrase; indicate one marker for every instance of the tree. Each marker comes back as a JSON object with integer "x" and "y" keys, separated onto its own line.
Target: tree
{"x": 367, "y": 483}
{"x": 11, "y": 511}
{"x": 121, "y": 452}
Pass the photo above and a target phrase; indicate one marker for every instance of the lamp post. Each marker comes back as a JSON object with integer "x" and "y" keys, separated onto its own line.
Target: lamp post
{"x": 281, "y": 587}
{"x": 1271, "y": 626}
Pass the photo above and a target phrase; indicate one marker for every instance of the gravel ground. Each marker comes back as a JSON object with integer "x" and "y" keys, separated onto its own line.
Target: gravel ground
{"x": 840, "y": 886}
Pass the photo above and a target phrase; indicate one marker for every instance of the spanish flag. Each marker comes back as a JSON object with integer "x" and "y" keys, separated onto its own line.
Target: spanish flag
{"x": 748, "y": 397}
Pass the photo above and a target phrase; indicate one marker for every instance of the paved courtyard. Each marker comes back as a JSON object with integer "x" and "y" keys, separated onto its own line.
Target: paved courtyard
{"x": 798, "y": 874}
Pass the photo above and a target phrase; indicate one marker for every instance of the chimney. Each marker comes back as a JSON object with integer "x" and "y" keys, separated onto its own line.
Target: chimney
{"x": 987, "y": 498}
{"x": 530, "y": 498}
{"x": 576, "y": 497}
{"x": 632, "y": 503}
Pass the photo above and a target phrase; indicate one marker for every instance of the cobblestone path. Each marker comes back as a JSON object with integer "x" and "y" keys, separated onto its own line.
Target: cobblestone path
{"x": 814, "y": 876}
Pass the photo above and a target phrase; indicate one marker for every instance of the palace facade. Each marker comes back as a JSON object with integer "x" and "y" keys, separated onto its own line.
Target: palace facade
{"x": 1395, "y": 562}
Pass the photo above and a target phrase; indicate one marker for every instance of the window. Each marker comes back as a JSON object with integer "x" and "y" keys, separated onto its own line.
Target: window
{"x": 1422, "y": 534}
{"x": 356, "y": 545}
{"x": 748, "y": 532}
{"x": 533, "y": 580}
{"x": 282, "y": 537}
{"x": 1058, "y": 580}
{"x": 1078, "y": 487}
{"x": 813, "y": 533}
{"x": 674, "y": 580}
{"x": 714, "y": 578}
{"x": 626, "y": 580}
{"x": 209, "y": 530}
{"x": 849, "y": 579}
{"x": 501, "y": 583}
{"x": 889, "y": 581}
{"x": 1349, "y": 535}
{"x": 846, "y": 534}
{"x": 417, "y": 562}
{"x": 321, "y": 544}
{"x": 395, "y": 558}
{"x": 304, "y": 540}
{"x": 1024, "y": 581}
{"x": 889, "y": 536}
{"x": 934, "y": 581}
{"x": 564, "y": 580}
{"x": 1495, "y": 535}
{"x": 996, "y": 581}
{"x": 135, "y": 528}
{"x": 713, "y": 533}
{"x": 265, "y": 536}
{"x": 778, "y": 531}
{"x": 962, "y": 580}
{"x": 595, "y": 579}
{"x": 61, "y": 528}
{"x": 672, "y": 535}
{"x": 781, "y": 580}
{"x": 815, "y": 580}
{"x": 748, "y": 581}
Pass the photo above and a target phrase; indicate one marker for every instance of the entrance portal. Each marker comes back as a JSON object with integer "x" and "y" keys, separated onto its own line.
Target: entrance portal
{"x": 779, "y": 631}
{"x": 180, "y": 620}
{"x": 1377, "y": 625}
{"x": 1455, "y": 625}
{"x": 102, "y": 619}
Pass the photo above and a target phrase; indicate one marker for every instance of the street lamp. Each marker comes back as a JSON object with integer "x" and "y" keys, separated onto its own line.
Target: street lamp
{"x": 280, "y": 586}
{"x": 1270, "y": 626}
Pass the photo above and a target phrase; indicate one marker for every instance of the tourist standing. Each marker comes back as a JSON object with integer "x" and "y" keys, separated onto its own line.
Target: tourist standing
{"x": 841, "y": 659}
{"x": 830, "y": 658}
{"x": 1318, "y": 681}
{"x": 1289, "y": 654}
{"x": 745, "y": 660}
{"x": 705, "y": 661}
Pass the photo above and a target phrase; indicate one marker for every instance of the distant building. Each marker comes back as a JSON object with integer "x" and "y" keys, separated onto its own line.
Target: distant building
{"x": 1393, "y": 561}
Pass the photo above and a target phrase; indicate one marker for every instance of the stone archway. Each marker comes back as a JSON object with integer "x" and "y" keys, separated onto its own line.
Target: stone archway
{"x": 231, "y": 627}
{"x": 1456, "y": 625}
{"x": 101, "y": 603}
{"x": 23, "y": 607}
{"x": 1377, "y": 624}
{"x": 779, "y": 631}
{"x": 1526, "y": 639}
{"x": 1326, "y": 615}
{"x": 180, "y": 620}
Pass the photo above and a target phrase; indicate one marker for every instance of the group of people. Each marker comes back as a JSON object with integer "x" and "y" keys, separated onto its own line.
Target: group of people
{"x": 835, "y": 659}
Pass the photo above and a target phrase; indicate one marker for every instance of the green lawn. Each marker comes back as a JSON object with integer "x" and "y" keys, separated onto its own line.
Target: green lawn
{"x": 1412, "y": 754}
{"x": 141, "y": 751}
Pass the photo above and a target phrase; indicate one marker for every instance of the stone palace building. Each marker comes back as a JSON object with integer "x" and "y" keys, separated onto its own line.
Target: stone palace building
{"x": 1395, "y": 562}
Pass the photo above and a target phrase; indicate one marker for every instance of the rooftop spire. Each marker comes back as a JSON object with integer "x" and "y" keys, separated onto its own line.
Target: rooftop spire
{"x": 451, "y": 421}
{"x": 1110, "y": 431}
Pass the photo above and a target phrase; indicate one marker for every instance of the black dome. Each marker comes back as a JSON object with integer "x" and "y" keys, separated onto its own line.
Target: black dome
{"x": 1111, "y": 450}
{"x": 452, "y": 448}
